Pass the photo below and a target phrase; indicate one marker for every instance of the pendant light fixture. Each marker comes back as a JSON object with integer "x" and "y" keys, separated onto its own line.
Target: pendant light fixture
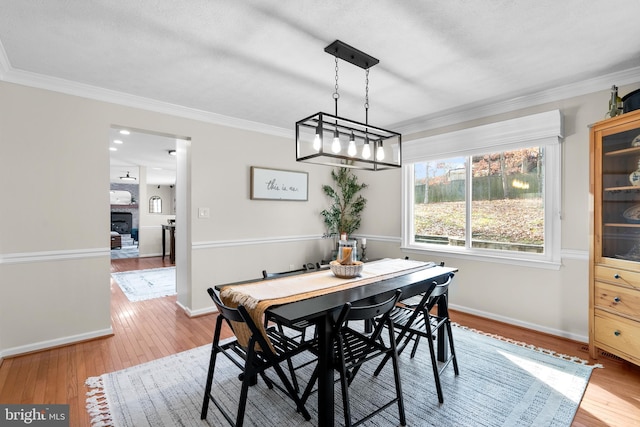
{"x": 320, "y": 137}
{"x": 127, "y": 177}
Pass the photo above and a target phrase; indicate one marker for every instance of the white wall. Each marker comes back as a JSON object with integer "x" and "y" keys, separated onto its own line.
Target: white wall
{"x": 54, "y": 243}
{"x": 54, "y": 250}
{"x": 546, "y": 300}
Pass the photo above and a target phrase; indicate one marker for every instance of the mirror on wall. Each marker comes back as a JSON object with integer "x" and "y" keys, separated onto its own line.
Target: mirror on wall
{"x": 155, "y": 204}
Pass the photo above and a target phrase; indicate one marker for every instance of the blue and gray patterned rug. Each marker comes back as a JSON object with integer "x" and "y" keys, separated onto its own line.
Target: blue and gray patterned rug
{"x": 500, "y": 384}
{"x": 139, "y": 285}
{"x": 129, "y": 248}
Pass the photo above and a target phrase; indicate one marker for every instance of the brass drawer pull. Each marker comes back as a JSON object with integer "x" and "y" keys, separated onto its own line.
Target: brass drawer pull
{"x": 616, "y": 333}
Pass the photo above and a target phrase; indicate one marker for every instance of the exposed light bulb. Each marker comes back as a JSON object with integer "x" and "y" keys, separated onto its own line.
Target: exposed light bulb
{"x": 352, "y": 146}
{"x": 366, "y": 150}
{"x": 380, "y": 152}
{"x": 335, "y": 146}
{"x": 317, "y": 143}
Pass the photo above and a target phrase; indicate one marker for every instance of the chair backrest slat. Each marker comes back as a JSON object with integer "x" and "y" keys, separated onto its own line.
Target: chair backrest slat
{"x": 355, "y": 312}
{"x": 267, "y": 275}
{"x": 438, "y": 291}
{"x": 231, "y": 314}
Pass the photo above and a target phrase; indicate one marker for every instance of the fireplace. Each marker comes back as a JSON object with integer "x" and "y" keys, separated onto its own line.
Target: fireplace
{"x": 121, "y": 222}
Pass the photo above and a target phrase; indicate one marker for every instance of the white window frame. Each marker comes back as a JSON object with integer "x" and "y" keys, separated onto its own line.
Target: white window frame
{"x": 543, "y": 130}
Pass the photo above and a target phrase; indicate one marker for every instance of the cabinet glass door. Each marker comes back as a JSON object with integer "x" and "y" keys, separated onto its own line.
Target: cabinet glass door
{"x": 621, "y": 195}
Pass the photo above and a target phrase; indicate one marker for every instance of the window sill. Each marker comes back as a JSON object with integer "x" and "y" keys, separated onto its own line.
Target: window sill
{"x": 500, "y": 257}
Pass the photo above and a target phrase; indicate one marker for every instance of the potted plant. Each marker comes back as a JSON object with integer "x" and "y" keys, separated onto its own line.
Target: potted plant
{"x": 343, "y": 215}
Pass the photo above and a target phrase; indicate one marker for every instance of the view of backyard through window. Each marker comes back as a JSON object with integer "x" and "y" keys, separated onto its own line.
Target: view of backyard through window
{"x": 506, "y": 206}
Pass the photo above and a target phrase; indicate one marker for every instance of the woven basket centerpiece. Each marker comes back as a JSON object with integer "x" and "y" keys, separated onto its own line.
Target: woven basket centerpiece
{"x": 347, "y": 271}
{"x": 345, "y": 268}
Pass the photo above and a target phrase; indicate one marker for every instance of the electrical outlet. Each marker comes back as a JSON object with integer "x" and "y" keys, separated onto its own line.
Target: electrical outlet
{"x": 203, "y": 212}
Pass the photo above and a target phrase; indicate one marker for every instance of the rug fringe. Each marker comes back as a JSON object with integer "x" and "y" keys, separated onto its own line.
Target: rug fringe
{"x": 547, "y": 351}
{"x": 96, "y": 404}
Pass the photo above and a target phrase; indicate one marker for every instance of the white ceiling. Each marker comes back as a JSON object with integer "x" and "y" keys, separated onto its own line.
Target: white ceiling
{"x": 137, "y": 149}
{"x": 264, "y": 61}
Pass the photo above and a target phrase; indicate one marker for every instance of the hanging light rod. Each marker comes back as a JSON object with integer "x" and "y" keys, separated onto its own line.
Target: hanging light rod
{"x": 331, "y": 140}
{"x": 351, "y": 54}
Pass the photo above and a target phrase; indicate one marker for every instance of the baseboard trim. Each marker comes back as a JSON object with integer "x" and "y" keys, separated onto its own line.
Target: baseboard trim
{"x": 196, "y": 313}
{"x": 516, "y": 322}
{"x": 59, "y": 342}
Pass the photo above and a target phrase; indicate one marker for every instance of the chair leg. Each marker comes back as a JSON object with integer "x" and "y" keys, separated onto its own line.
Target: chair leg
{"x": 434, "y": 364}
{"x": 452, "y": 348}
{"x": 396, "y": 375}
{"x": 309, "y": 388}
{"x": 212, "y": 366}
{"x": 415, "y": 346}
{"x": 400, "y": 346}
{"x": 344, "y": 384}
{"x": 246, "y": 382}
{"x": 292, "y": 392}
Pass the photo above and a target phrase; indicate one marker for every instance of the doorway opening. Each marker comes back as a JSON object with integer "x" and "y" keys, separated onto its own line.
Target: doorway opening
{"x": 143, "y": 185}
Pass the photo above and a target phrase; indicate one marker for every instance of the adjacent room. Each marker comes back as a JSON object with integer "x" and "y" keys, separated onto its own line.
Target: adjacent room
{"x": 320, "y": 213}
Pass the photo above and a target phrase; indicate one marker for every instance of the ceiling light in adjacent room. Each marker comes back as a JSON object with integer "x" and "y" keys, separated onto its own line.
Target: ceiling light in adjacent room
{"x": 128, "y": 177}
{"x": 172, "y": 152}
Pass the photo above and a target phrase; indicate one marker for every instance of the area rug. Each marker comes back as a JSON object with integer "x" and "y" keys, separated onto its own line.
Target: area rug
{"x": 500, "y": 384}
{"x": 139, "y": 285}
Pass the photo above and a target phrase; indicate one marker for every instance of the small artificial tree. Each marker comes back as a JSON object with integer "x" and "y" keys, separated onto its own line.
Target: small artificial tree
{"x": 343, "y": 216}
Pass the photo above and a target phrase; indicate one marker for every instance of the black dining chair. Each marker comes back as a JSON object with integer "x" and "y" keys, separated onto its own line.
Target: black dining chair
{"x": 416, "y": 322}
{"x": 252, "y": 360}
{"x": 353, "y": 348}
{"x": 267, "y": 275}
{"x": 301, "y": 328}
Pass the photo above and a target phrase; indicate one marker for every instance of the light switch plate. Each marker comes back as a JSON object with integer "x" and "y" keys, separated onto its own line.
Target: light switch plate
{"x": 203, "y": 212}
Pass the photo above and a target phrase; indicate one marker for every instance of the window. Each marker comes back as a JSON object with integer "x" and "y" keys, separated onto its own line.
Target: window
{"x": 491, "y": 191}
{"x": 155, "y": 204}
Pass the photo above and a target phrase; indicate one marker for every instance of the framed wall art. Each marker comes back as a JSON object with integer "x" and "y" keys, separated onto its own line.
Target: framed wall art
{"x": 278, "y": 184}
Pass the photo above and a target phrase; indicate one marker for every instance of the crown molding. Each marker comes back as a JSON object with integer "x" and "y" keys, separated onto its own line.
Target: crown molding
{"x": 437, "y": 120}
{"x": 68, "y": 87}
{"x": 481, "y": 110}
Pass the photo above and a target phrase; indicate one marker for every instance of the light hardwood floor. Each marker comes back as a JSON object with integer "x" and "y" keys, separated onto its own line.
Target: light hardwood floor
{"x": 149, "y": 330}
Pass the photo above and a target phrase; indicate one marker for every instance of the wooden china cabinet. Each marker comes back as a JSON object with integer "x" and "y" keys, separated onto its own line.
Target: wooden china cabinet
{"x": 614, "y": 261}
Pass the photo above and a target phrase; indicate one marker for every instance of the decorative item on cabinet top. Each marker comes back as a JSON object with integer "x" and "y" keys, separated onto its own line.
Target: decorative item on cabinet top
{"x": 631, "y": 101}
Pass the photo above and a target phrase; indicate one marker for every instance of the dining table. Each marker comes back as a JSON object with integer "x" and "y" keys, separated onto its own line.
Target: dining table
{"x": 319, "y": 305}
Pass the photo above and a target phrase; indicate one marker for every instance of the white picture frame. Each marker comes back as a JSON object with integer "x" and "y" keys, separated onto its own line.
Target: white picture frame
{"x": 279, "y": 184}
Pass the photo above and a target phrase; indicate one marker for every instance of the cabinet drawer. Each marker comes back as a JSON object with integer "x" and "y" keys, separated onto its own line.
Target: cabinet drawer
{"x": 617, "y": 332}
{"x": 619, "y": 299}
{"x": 616, "y": 275}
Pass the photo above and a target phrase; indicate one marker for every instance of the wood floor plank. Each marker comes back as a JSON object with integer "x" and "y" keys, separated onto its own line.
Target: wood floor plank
{"x": 148, "y": 330}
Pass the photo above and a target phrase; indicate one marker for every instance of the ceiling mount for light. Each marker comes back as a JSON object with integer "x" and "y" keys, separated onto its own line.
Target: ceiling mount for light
{"x": 127, "y": 177}
{"x": 335, "y": 141}
{"x": 172, "y": 152}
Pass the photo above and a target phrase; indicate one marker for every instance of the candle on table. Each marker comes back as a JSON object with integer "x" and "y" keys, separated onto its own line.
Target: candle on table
{"x": 364, "y": 241}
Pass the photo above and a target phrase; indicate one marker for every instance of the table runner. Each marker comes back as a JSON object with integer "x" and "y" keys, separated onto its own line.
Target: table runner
{"x": 258, "y": 296}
